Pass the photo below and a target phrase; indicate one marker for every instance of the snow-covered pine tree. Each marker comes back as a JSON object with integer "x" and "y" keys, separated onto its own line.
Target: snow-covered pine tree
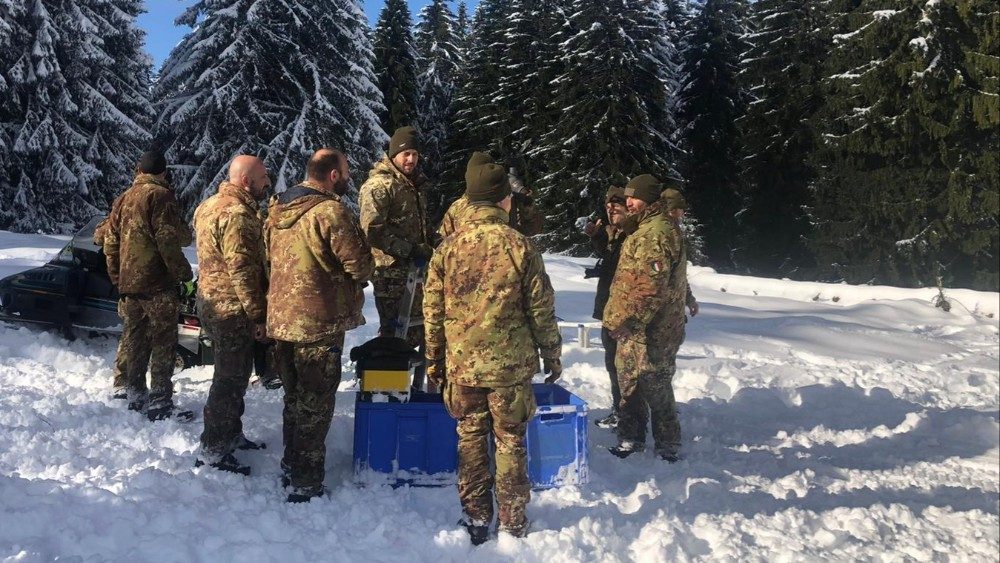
{"x": 463, "y": 26}
{"x": 76, "y": 110}
{"x": 605, "y": 132}
{"x": 440, "y": 60}
{"x": 470, "y": 129}
{"x": 783, "y": 71}
{"x": 906, "y": 190}
{"x": 252, "y": 78}
{"x": 396, "y": 63}
{"x": 712, "y": 99}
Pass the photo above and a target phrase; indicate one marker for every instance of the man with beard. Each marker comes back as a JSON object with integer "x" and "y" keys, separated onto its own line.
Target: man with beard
{"x": 320, "y": 261}
{"x": 232, "y": 303}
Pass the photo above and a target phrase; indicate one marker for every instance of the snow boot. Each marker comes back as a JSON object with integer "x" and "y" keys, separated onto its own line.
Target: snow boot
{"x": 609, "y": 422}
{"x": 137, "y": 405}
{"x": 299, "y": 495}
{"x": 119, "y": 393}
{"x": 669, "y": 455}
{"x": 169, "y": 411}
{"x": 521, "y": 532}
{"x": 227, "y": 463}
{"x": 626, "y": 448}
{"x": 272, "y": 383}
{"x": 478, "y": 535}
{"x": 248, "y": 444}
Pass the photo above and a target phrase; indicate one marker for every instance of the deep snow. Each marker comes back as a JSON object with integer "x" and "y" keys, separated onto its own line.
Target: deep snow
{"x": 861, "y": 428}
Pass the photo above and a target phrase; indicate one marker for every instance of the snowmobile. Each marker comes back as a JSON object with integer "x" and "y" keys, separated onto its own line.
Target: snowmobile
{"x": 74, "y": 293}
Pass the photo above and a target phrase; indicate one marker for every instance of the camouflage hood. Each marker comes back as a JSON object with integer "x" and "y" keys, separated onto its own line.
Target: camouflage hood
{"x": 291, "y": 204}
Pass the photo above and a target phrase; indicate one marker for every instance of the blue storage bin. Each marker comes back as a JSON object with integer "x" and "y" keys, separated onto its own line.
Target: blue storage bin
{"x": 416, "y": 442}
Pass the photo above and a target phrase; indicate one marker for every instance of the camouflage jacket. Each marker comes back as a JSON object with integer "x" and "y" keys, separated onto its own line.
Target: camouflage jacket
{"x": 320, "y": 262}
{"x": 232, "y": 265}
{"x": 393, "y": 214}
{"x": 650, "y": 289}
{"x": 524, "y": 218}
{"x": 489, "y": 307}
{"x": 143, "y": 239}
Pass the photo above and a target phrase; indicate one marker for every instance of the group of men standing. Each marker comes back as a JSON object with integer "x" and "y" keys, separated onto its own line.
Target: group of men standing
{"x": 295, "y": 278}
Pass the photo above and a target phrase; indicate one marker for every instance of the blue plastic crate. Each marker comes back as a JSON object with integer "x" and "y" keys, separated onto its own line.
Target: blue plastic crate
{"x": 416, "y": 442}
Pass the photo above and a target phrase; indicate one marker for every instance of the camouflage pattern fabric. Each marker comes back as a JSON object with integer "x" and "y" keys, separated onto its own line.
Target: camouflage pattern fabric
{"x": 149, "y": 337}
{"x": 311, "y": 373}
{"x": 143, "y": 239}
{"x": 232, "y": 344}
{"x": 232, "y": 264}
{"x": 504, "y": 411}
{"x": 523, "y": 217}
{"x": 489, "y": 307}
{"x": 320, "y": 262}
{"x": 394, "y": 218}
{"x": 648, "y": 296}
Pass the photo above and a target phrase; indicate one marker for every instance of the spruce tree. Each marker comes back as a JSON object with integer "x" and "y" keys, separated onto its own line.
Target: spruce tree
{"x": 396, "y": 66}
{"x": 463, "y": 26}
{"x": 76, "y": 110}
{"x": 440, "y": 60}
{"x": 712, "y": 99}
{"x": 783, "y": 72}
{"x": 252, "y": 79}
{"x": 906, "y": 192}
{"x": 606, "y": 101}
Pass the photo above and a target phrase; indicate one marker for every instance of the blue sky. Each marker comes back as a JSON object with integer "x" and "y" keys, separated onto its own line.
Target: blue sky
{"x": 162, "y": 34}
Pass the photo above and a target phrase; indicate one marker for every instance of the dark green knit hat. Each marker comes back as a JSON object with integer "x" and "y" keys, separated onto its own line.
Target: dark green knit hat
{"x": 477, "y": 159}
{"x": 404, "y": 139}
{"x": 673, "y": 199}
{"x": 614, "y": 192}
{"x": 645, "y": 187}
{"x": 487, "y": 183}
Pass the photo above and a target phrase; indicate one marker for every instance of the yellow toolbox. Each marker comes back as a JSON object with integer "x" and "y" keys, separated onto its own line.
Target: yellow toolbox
{"x": 385, "y": 365}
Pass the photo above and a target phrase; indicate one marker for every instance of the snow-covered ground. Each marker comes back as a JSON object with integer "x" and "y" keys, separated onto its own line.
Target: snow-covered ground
{"x": 864, "y": 427}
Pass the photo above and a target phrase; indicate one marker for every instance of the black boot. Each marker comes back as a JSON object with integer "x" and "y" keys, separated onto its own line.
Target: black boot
{"x": 669, "y": 455}
{"x": 248, "y": 444}
{"x": 119, "y": 393}
{"x": 626, "y": 448}
{"x": 299, "y": 496}
{"x": 272, "y": 383}
{"x": 610, "y": 422}
{"x": 227, "y": 463}
{"x": 169, "y": 411}
{"x": 478, "y": 535}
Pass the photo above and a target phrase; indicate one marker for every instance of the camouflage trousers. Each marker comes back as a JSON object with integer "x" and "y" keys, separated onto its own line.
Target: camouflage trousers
{"x": 233, "y": 345}
{"x": 389, "y": 287}
{"x": 610, "y": 355}
{"x": 645, "y": 378}
{"x": 149, "y": 339}
{"x": 311, "y": 374}
{"x": 505, "y": 411}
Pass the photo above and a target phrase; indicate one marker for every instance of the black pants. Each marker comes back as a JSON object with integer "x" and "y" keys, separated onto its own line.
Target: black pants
{"x": 610, "y": 350}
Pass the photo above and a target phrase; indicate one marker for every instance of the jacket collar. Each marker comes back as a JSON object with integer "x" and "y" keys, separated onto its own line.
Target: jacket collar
{"x": 486, "y": 213}
{"x": 232, "y": 190}
{"x": 150, "y": 179}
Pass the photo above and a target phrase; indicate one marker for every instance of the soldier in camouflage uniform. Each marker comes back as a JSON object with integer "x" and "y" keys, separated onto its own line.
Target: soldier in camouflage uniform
{"x": 320, "y": 261}
{"x": 232, "y": 303}
{"x": 607, "y": 243}
{"x": 142, "y": 245}
{"x": 394, "y": 218}
{"x": 119, "y": 381}
{"x": 645, "y": 314}
{"x": 524, "y": 218}
{"x": 489, "y": 314}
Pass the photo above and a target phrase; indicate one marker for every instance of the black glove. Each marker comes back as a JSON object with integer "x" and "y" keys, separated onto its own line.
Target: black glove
{"x": 420, "y": 254}
{"x": 522, "y": 199}
{"x": 552, "y": 366}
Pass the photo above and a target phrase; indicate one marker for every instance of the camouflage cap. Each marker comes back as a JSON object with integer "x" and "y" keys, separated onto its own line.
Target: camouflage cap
{"x": 404, "y": 139}
{"x": 487, "y": 182}
{"x": 673, "y": 199}
{"x": 614, "y": 192}
{"x": 645, "y": 187}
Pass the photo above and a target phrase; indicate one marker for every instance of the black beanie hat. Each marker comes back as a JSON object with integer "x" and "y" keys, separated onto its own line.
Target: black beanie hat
{"x": 645, "y": 187}
{"x": 404, "y": 139}
{"x": 487, "y": 182}
{"x": 152, "y": 162}
{"x": 476, "y": 160}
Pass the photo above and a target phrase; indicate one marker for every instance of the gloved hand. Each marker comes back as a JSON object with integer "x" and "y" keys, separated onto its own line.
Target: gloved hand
{"x": 420, "y": 254}
{"x": 553, "y": 368}
{"x": 436, "y": 372}
{"x": 622, "y": 332}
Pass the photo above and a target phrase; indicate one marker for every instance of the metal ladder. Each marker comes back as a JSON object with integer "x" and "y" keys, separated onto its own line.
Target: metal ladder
{"x": 405, "y": 321}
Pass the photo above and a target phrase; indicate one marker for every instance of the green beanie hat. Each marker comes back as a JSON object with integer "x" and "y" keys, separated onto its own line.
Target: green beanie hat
{"x": 487, "y": 183}
{"x": 673, "y": 199}
{"x": 476, "y": 160}
{"x": 645, "y": 187}
{"x": 614, "y": 192}
{"x": 404, "y": 139}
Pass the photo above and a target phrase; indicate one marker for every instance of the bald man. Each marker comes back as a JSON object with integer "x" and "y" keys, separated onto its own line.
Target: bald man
{"x": 232, "y": 303}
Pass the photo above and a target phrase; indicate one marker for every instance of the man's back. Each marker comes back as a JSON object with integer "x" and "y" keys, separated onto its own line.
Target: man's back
{"x": 143, "y": 243}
